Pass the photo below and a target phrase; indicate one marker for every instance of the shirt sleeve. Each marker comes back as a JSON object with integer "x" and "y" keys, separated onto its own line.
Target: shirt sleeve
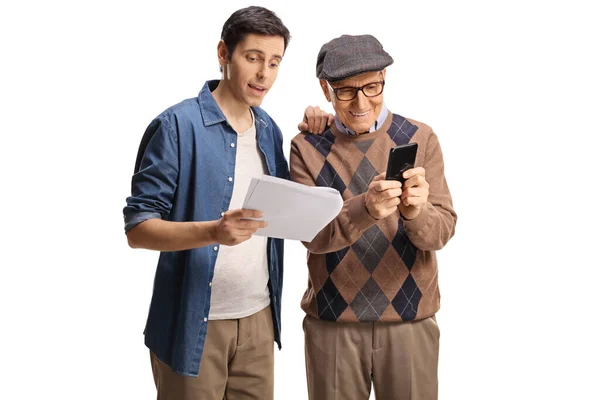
{"x": 154, "y": 180}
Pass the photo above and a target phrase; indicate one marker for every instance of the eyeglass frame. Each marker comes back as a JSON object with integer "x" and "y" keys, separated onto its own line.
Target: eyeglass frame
{"x": 356, "y": 90}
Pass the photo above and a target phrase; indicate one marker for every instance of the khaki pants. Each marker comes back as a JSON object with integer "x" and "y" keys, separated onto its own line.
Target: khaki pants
{"x": 342, "y": 359}
{"x": 237, "y": 363}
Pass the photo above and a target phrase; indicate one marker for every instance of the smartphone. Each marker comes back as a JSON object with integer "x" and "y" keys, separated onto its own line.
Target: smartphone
{"x": 401, "y": 158}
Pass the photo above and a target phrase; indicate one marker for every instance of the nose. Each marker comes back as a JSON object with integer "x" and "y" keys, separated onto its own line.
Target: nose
{"x": 360, "y": 100}
{"x": 263, "y": 71}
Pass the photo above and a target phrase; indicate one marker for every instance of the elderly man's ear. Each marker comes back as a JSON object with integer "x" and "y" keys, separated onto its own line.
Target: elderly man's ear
{"x": 325, "y": 89}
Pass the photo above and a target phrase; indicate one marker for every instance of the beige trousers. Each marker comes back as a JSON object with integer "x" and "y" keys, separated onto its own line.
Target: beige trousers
{"x": 399, "y": 359}
{"x": 237, "y": 363}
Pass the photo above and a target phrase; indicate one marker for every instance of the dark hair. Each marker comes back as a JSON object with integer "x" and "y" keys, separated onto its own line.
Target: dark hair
{"x": 253, "y": 19}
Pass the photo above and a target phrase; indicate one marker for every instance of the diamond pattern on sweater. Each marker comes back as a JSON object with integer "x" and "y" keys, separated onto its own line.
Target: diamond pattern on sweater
{"x": 364, "y": 146}
{"x": 333, "y": 259}
{"x": 370, "y": 303}
{"x": 405, "y": 248}
{"x": 330, "y": 303}
{"x": 401, "y": 131}
{"x": 406, "y": 302}
{"x": 371, "y": 247}
{"x": 329, "y": 177}
{"x": 322, "y": 142}
{"x": 363, "y": 175}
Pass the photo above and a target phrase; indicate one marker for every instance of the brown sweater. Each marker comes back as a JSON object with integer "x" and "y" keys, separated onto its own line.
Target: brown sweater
{"x": 361, "y": 269}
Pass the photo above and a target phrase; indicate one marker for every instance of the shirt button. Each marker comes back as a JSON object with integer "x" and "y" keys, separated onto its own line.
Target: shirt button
{"x": 230, "y": 179}
{"x": 205, "y": 319}
{"x": 215, "y": 248}
{"x": 209, "y": 283}
{"x": 222, "y": 213}
{"x": 232, "y": 144}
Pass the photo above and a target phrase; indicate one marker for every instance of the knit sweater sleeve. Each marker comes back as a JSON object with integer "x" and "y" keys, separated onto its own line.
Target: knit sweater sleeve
{"x": 350, "y": 223}
{"x": 435, "y": 224}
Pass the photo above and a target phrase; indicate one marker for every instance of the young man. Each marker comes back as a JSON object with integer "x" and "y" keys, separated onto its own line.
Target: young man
{"x": 373, "y": 290}
{"x": 215, "y": 308}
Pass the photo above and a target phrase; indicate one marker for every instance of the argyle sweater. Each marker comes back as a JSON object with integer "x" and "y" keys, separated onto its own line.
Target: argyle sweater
{"x": 362, "y": 269}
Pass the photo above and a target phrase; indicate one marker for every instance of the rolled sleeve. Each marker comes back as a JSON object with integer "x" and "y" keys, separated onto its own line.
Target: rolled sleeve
{"x": 154, "y": 180}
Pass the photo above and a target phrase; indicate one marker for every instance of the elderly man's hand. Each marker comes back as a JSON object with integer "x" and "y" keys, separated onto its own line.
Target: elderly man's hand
{"x": 315, "y": 120}
{"x": 383, "y": 197}
{"x": 414, "y": 193}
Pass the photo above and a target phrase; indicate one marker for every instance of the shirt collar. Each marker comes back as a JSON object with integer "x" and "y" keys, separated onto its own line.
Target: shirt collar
{"x": 378, "y": 123}
{"x": 211, "y": 113}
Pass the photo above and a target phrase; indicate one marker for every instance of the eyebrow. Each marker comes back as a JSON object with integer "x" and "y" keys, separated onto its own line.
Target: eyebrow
{"x": 263, "y": 53}
{"x": 352, "y": 86}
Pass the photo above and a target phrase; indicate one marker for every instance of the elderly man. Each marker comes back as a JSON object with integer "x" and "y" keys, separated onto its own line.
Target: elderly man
{"x": 373, "y": 291}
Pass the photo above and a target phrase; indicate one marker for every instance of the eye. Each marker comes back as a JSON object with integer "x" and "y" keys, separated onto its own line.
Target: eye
{"x": 274, "y": 64}
{"x": 345, "y": 92}
{"x": 252, "y": 58}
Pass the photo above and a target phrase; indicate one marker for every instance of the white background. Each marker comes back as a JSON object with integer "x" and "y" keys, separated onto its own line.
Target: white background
{"x": 511, "y": 88}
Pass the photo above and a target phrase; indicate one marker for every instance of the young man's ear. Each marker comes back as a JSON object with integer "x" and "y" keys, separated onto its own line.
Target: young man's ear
{"x": 325, "y": 89}
{"x": 222, "y": 53}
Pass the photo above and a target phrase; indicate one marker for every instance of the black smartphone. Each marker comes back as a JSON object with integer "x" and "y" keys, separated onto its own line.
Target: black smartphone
{"x": 401, "y": 158}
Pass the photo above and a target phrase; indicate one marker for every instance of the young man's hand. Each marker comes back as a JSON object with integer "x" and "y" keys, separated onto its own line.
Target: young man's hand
{"x": 315, "y": 120}
{"x": 234, "y": 227}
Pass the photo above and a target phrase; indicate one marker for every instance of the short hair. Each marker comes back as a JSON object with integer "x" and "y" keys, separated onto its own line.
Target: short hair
{"x": 253, "y": 19}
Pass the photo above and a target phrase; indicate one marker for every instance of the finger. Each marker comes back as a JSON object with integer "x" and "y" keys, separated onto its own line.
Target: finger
{"x": 330, "y": 119}
{"x": 311, "y": 117}
{"x": 323, "y": 124}
{"x": 249, "y": 225}
{"x": 383, "y": 185}
{"x": 415, "y": 192}
{"x": 379, "y": 177}
{"x": 388, "y": 194}
{"x": 413, "y": 181}
{"x": 244, "y": 213}
{"x": 416, "y": 181}
{"x": 302, "y": 126}
{"x": 414, "y": 201}
{"x": 389, "y": 203}
{"x": 413, "y": 171}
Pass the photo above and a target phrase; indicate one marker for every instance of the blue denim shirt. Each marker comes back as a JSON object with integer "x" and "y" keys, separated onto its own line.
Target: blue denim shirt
{"x": 185, "y": 172}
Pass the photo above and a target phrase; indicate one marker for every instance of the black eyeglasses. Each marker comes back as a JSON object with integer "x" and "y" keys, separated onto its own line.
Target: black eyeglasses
{"x": 348, "y": 93}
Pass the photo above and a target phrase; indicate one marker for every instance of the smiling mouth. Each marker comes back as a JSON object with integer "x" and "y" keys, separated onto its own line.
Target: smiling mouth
{"x": 359, "y": 114}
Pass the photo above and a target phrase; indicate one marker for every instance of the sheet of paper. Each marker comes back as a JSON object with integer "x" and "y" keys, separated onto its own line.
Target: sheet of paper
{"x": 292, "y": 210}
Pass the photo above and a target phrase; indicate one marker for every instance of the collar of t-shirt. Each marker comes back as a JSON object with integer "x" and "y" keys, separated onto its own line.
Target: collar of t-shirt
{"x": 380, "y": 120}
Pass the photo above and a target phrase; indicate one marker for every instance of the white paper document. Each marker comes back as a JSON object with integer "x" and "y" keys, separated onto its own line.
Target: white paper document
{"x": 292, "y": 210}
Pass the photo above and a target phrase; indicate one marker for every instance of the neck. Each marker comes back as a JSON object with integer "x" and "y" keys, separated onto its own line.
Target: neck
{"x": 237, "y": 112}
{"x": 227, "y": 102}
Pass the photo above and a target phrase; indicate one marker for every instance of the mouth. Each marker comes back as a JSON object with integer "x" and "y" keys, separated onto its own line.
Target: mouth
{"x": 257, "y": 89}
{"x": 359, "y": 115}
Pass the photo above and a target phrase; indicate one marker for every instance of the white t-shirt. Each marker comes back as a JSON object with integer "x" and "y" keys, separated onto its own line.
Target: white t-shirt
{"x": 239, "y": 285}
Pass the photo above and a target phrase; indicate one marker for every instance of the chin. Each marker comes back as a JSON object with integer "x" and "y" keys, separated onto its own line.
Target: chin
{"x": 255, "y": 102}
{"x": 252, "y": 101}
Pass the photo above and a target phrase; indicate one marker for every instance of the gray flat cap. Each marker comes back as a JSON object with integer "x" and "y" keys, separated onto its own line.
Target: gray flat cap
{"x": 348, "y": 55}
